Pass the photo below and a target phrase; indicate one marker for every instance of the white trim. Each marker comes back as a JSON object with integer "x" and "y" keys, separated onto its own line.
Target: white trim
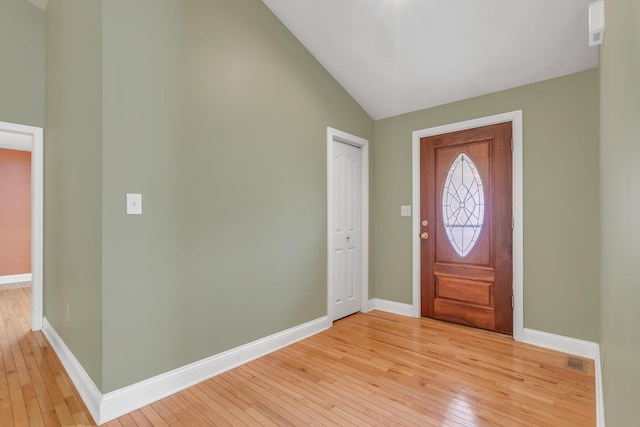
{"x": 518, "y": 242}
{"x": 29, "y": 138}
{"x": 104, "y": 408}
{"x": 87, "y": 389}
{"x": 13, "y": 138}
{"x": 599, "y": 392}
{"x": 363, "y": 144}
{"x": 561, "y": 343}
{"x": 371, "y": 304}
{"x": 415, "y": 237}
{"x": 577, "y": 347}
{"x": 518, "y": 230}
{"x": 17, "y": 285}
{"x": 15, "y": 278}
{"x": 392, "y": 307}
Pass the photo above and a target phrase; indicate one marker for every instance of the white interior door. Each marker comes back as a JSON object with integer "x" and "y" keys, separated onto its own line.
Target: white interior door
{"x": 346, "y": 250}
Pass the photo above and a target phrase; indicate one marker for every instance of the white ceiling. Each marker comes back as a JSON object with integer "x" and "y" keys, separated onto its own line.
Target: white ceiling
{"x": 397, "y": 56}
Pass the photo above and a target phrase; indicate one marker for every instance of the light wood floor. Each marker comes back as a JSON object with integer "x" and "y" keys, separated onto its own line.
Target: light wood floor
{"x": 369, "y": 369}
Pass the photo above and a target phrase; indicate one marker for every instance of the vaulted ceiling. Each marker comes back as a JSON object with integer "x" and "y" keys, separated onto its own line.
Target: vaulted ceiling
{"x": 397, "y": 56}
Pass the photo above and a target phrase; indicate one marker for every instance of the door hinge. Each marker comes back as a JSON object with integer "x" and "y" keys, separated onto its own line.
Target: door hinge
{"x": 511, "y": 301}
{"x": 513, "y": 223}
{"x": 511, "y": 144}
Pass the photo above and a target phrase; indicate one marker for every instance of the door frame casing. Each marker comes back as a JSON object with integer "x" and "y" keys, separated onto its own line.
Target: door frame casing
{"x": 29, "y": 138}
{"x": 363, "y": 145}
{"x": 515, "y": 117}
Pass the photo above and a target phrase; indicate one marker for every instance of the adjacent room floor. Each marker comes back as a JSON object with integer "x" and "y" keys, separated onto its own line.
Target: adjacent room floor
{"x": 369, "y": 369}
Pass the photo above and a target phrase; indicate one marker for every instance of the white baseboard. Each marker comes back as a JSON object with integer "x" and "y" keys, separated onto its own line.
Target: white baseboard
{"x": 104, "y": 408}
{"x": 561, "y": 343}
{"x": 587, "y": 349}
{"x": 391, "y": 307}
{"x": 15, "y": 285}
{"x": 87, "y": 389}
{"x": 15, "y": 278}
{"x": 370, "y": 305}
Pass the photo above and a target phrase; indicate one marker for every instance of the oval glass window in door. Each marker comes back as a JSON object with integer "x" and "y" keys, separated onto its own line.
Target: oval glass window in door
{"x": 463, "y": 205}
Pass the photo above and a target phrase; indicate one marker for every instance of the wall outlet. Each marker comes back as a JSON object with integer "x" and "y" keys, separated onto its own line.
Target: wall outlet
{"x": 405, "y": 210}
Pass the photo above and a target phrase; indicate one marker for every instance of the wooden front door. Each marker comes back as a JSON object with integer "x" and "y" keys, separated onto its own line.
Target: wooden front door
{"x": 466, "y": 227}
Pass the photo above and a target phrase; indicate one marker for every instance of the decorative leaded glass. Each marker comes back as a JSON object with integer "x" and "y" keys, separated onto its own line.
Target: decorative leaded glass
{"x": 463, "y": 205}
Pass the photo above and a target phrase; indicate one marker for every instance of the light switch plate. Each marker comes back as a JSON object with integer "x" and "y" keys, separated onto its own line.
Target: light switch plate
{"x": 405, "y": 210}
{"x": 134, "y": 204}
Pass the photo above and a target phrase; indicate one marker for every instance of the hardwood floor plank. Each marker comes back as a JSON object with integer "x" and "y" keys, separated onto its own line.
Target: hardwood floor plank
{"x": 214, "y": 406}
{"x": 34, "y": 413}
{"x": 6, "y": 416}
{"x": 270, "y": 402}
{"x": 320, "y": 408}
{"x": 154, "y": 418}
{"x": 166, "y": 414}
{"x": 50, "y": 419}
{"x": 242, "y": 400}
{"x": 197, "y": 410}
{"x": 140, "y": 419}
{"x": 31, "y": 405}
{"x": 211, "y": 394}
{"x": 182, "y": 414}
{"x": 127, "y": 421}
{"x": 341, "y": 403}
{"x": 38, "y": 385}
{"x": 64, "y": 415}
{"x": 18, "y": 405}
{"x": 368, "y": 385}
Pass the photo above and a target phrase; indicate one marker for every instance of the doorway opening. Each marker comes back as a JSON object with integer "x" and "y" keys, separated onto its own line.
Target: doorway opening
{"x": 29, "y": 138}
{"x": 515, "y": 118}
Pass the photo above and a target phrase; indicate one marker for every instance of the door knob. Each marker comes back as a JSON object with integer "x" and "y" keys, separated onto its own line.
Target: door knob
{"x": 425, "y": 222}
{"x": 424, "y": 236}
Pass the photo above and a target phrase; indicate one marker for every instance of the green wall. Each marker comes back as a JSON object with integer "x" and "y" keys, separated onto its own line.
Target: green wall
{"x": 620, "y": 188}
{"x": 22, "y": 70}
{"x": 561, "y": 199}
{"x": 73, "y": 179}
{"x": 217, "y": 115}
